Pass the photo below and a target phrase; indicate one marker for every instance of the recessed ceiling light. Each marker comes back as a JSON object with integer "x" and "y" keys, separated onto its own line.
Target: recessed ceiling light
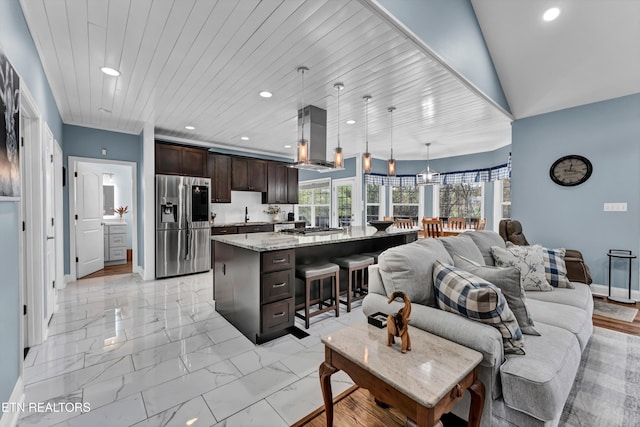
{"x": 110, "y": 71}
{"x": 551, "y": 14}
{"x": 266, "y": 94}
{"x": 190, "y": 128}
{"x": 287, "y": 146}
{"x": 351, "y": 122}
{"x": 244, "y": 138}
{"x": 104, "y": 110}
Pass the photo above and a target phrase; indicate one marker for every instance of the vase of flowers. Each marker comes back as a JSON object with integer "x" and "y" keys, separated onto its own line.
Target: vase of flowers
{"x": 274, "y": 211}
{"x": 121, "y": 211}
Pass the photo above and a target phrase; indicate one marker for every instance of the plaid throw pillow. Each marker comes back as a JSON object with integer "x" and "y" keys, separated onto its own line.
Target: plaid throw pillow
{"x": 555, "y": 269}
{"x": 460, "y": 292}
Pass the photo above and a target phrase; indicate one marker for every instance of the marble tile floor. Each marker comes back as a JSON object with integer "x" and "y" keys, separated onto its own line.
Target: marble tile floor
{"x": 157, "y": 353}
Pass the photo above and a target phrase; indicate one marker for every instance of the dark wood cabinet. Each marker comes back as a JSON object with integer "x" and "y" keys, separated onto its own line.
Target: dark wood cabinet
{"x": 219, "y": 170}
{"x": 248, "y": 174}
{"x": 292, "y": 186}
{"x": 179, "y": 160}
{"x": 255, "y": 228}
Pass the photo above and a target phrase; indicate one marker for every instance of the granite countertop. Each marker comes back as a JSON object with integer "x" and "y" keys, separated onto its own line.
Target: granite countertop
{"x": 272, "y": 241}
{"x": 240, "y": 224}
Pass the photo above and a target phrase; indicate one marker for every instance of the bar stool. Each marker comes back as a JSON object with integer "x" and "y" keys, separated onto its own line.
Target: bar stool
{"x": 373, "y": 255}
{"x": 318, "y": 272}
{"x": 354, "y": 264}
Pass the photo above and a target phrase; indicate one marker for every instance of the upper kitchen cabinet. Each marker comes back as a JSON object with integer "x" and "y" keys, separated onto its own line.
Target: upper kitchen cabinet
{"x": 219, "y": 168}
{"x": 282, "y": 184}
{"x": 292, "y": 186}
{"x": 248, "y": 174}
{"x": 179, "y": 160}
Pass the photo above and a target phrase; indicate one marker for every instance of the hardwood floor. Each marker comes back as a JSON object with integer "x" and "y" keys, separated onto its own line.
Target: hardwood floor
{"x": 618, "y": 325}
{"x": 110, "y": 270}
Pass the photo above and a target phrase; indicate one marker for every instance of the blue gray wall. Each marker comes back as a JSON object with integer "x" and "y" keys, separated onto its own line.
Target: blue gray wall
{"x": 86, "y": 142}
{"x": 608, "y": 134}
{"x": 450, "y": 28}
{"x": 18, "y": 46}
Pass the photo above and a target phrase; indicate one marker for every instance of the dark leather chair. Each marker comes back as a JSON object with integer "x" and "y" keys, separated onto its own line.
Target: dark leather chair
{"x": 577, "y": 270}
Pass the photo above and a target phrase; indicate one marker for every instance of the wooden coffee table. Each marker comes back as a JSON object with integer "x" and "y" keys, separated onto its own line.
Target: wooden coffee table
{"x": 424, "y": 383}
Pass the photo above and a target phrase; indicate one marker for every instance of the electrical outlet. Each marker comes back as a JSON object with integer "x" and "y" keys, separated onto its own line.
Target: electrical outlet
{"x": 615, "y": 207}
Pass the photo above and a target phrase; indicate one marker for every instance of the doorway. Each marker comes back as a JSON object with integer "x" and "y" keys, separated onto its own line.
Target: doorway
{"x": 101, "y": 241}
{"x": 344, "y": 204}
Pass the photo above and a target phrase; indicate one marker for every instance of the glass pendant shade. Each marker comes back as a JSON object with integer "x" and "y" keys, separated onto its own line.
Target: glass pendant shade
{"x": 366, "y": 162}
{"x": 428, "y": 176}
{"x": 303, "y": 152}
{"x": 338, "y": 160}
{"x": 391, "y": 167}
{"x": 303, "y": 146}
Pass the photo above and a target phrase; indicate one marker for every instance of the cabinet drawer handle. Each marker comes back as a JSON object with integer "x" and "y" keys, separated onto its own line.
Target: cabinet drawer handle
{"x": 280, "y": 285}
{"x": 282, "y": 313}
{"x": 279, "y": 261}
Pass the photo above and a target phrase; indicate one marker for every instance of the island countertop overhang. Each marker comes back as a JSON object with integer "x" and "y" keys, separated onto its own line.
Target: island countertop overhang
{"x": 272, "y": 241}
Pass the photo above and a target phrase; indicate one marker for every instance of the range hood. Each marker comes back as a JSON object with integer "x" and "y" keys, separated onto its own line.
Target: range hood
{"x": 314, "y": 133}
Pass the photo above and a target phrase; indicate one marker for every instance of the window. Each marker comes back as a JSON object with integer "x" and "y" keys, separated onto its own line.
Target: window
{"x": 461, "y": 200}
{"x": 314, "y": 202}
{"x": 502, "y": 201}
{"x": 506, "y": 198}
{"x": 374, "y": 202}
{"x": 406, "y": 202}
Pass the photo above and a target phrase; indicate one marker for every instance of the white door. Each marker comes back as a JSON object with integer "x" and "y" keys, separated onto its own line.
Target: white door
{"x": 89, "y": 231}
{"x": 343, "y": 203}
{"x": 49, "y": 210}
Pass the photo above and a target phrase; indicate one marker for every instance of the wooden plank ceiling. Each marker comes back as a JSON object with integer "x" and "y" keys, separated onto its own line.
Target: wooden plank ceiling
{"x": 204, "y": 62}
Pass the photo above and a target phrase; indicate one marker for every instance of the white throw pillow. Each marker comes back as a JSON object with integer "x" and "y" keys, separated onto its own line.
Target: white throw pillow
{"x": 529, "y": 260}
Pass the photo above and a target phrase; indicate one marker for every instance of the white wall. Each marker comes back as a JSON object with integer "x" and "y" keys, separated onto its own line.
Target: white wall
{"x": 234, "y": 211}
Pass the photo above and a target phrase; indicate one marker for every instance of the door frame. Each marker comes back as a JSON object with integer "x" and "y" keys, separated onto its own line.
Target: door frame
{"x": 356, "y": 200}
{"x": 32, "y": 215}
{"x": 73, "y": 163}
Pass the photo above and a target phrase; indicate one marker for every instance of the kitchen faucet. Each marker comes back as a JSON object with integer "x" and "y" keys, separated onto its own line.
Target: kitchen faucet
{"x": 246, "y": 214}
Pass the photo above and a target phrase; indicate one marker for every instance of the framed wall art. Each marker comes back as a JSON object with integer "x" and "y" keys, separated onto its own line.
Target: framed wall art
{"x": 9, "y": 130}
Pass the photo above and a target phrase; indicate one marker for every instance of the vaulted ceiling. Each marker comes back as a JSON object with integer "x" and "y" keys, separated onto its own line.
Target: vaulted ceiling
{"x": 204, "y": 62}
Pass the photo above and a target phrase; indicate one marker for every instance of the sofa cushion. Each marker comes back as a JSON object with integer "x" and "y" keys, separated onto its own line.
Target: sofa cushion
{"x": 539, "y": 382}
{"x": 530, "y": 262}
{"x": 580, "y": 297}
{"x": 409, "y": 268}
{"x": 573, "y": 319}
{"x": 484, "y": 239}
{"x": 460, "y": 292}
{"x": 464, "y": 247}
{"x": 555, "y": 269}
{"x": 508, "y": 280}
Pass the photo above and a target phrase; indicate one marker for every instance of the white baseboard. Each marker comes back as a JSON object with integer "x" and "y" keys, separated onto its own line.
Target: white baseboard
{"x": 10, "y": 418}
{"x": 139, "y": 270}
{"x": 67, "y": 278}
{"x": 603, "y": 290}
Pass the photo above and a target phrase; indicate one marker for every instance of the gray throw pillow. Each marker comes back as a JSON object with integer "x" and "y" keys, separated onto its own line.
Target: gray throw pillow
{"x": 463, "y": 246}
{"x": 508, "y": 280}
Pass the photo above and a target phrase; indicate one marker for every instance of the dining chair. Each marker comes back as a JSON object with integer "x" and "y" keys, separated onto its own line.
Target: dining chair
{"x": 432, "y": 227}
{"x": 481, "y": 224}
{"x": 404, "y": 223}
{"x": 457, "y": 223}
{"x": 388, "y": 218}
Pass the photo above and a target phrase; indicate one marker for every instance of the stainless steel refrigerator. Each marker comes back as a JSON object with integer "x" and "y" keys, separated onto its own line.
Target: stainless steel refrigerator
{"x": 182, "y": 225}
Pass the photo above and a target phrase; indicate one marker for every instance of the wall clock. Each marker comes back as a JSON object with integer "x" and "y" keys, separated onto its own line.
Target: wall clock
{"x": 571, "y": 170}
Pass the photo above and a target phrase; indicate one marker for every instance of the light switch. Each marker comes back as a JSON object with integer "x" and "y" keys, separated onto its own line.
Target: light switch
{"x": 615, "y": 207}
{"x": 104, "y": 151}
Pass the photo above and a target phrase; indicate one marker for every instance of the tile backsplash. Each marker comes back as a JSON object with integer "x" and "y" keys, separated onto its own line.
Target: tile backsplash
{"x": 234, "y": 211}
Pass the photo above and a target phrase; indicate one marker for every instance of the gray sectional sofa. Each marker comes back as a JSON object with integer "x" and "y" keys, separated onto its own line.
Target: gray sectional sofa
{"x": 522, "y": 390}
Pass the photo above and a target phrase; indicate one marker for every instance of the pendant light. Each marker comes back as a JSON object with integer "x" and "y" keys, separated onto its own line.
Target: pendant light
{"x": 366, "y": 157}
{"x": 428, "y": 176}
{"x": 391, "y": 164}
{"x": 303, "y": 148}
{"x": 338, "y": 159}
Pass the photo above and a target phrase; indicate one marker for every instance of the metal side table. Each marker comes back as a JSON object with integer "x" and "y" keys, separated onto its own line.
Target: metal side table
{"x": 621, "y": 254}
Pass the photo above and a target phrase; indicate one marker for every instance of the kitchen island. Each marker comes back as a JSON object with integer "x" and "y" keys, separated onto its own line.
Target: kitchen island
{"x": 254, "y": 274}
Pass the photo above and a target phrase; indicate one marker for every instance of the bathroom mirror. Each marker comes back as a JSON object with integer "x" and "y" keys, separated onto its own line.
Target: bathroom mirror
{"x": 107, "y": 204}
